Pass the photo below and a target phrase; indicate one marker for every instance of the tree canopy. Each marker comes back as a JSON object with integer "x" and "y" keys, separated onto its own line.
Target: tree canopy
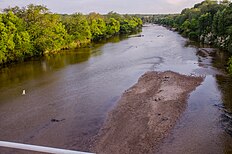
{"x": 34, "y": 30}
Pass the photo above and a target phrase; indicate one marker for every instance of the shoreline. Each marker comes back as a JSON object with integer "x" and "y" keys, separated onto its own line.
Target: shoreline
{"x": 145, "y": 114}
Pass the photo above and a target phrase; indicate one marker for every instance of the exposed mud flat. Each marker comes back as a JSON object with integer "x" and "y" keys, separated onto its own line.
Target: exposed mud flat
{"x": 145, "y": 113}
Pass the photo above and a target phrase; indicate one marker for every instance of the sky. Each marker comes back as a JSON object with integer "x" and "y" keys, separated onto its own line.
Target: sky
{"x": 105, "y": 6}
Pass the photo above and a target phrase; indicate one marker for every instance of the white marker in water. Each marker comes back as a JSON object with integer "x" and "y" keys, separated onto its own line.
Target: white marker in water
{"x": 24, "y": 92}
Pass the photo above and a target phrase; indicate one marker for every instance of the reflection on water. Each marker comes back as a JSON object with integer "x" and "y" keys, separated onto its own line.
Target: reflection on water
{"x": 225, "y": 85}
{"x": 218, "y": 59}
{"x": 66, "y": 58}
{"x": 23, "y": 71}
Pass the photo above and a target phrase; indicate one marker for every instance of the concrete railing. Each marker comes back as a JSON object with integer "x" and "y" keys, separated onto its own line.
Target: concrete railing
{"x": 39, "y": 148}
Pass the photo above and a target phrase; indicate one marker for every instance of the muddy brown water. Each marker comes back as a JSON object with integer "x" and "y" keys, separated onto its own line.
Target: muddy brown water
{"x": 68, "y": 95}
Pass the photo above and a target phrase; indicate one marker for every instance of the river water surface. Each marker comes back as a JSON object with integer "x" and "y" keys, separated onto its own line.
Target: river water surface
{"x": 68, "y": 95}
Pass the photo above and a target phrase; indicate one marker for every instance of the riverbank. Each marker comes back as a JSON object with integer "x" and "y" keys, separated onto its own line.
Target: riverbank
{"x": 34, "y": 38}
{"x": 145, "y": 113}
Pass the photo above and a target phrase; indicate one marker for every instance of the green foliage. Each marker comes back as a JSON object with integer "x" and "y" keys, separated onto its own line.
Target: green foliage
{"x": 77, "y": 27}
{"x": 15, "y": 41}
{"x": 217, "y": 23}
{"x": 113, "y": 27}
{"x": 34, "y": 30}
{"x": 98, "y": 29}
{"x": 193, "y": 35}
{"x": 205, "y": 22}
{"x": 130, "y": 24}
{"x": 185, "y": 27}
{"x": 207, "y": 16}
{"x": 190, "y": 28}
{"x": 230, "y": 65}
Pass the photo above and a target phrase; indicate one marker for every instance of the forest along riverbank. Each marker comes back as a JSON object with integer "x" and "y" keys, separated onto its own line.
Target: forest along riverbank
{"x": 145, "y": 113}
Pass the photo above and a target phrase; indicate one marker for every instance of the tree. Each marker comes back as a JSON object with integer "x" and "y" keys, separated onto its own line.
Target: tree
{"x": 113, "y": 27}
{"x": 33, "y": 30}
{"x": 230, "y": 65}
{"x": 215, "y": 25}
{"x": 45, "y": 29}
{"x": 15, "y": 41}
{"x": 186, "y": 26}
{"x": 77, "y": 27}
{"x": 205, "y": 22}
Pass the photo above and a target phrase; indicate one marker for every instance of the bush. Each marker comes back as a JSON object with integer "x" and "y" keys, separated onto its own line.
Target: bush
{"x": 193, "y": 35}
{"x": 230, "y": 65}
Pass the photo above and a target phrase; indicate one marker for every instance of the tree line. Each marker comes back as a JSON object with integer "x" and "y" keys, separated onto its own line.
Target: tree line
{"x": 209, "y": 22}
{"x": 34, "y": 30}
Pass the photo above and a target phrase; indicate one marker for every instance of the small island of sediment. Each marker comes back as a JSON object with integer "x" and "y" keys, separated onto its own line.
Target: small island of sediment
{"x": 145, "y": 113}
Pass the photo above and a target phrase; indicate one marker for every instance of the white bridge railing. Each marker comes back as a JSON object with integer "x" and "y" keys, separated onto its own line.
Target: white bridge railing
{"x": 39, "y": 148}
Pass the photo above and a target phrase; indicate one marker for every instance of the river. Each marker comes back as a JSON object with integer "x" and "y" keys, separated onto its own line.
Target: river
{"x": 68, "y": 95}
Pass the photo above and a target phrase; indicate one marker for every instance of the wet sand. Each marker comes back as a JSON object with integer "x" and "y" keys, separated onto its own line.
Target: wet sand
{"x": 145, "y": 113}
